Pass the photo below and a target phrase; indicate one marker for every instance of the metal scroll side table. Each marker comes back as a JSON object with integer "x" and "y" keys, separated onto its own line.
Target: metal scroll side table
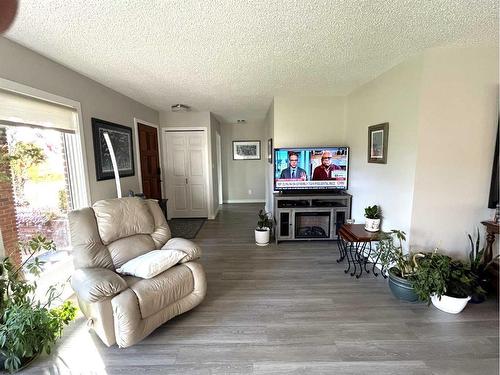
{"x": 353, "y": 242}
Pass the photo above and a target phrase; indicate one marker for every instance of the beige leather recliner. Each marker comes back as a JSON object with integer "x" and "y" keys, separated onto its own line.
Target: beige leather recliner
{"x": 125, "y": 309}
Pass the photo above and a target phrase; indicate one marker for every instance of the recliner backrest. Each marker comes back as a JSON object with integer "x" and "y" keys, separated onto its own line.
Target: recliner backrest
{"x": 114, "y": 231}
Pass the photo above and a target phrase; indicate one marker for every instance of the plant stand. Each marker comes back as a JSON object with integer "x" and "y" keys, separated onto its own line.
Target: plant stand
{"x": 353, "y": 242}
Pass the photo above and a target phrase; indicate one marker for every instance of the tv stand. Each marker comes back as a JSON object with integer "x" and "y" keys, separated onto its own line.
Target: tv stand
{"x": 310, "y": 216}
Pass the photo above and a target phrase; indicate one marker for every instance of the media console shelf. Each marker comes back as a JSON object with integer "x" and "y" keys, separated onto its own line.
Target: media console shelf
{"x": 310, "y": 216}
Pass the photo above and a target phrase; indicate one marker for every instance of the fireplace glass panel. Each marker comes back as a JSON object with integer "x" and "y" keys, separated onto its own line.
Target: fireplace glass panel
{"x": 312, "y": 225}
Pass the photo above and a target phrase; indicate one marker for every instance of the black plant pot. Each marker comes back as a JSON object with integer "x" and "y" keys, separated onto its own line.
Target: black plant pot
{"x": 401, "y": 288}
{"x": 480, "y": 298}
{"x": 477, "y": 298}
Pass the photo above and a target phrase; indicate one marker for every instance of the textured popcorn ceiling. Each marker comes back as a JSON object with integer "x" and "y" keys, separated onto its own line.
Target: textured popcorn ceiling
{"x": 231, "y": 57}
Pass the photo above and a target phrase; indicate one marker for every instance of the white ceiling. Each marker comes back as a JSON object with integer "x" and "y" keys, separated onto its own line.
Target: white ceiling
{"x": 231, "y": 57}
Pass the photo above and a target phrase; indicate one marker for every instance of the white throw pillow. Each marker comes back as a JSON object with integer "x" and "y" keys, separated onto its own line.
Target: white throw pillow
{"x": 151, "y": 264}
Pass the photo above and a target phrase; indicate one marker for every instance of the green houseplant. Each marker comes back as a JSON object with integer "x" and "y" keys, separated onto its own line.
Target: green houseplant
{"x": 263, "y": 230}
{"x": 479, "y": 269}
{"x": 28, "y": 326}
{"x": 399, "y": 266}
{"x": 373, "y": 216}
{"x": 444, "y": 281}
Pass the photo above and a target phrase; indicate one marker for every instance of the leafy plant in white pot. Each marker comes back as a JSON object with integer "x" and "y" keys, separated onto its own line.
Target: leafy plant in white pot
{"x": 373, "y": 215}
{"x": 263, "y": 230}
{"x": 444, "y": 281}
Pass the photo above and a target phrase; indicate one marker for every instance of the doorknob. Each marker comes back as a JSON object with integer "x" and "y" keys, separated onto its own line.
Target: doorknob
{"x": 186, "y": 181}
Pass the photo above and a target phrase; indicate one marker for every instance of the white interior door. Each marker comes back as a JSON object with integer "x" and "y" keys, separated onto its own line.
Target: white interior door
{"x": 186, "y": 161}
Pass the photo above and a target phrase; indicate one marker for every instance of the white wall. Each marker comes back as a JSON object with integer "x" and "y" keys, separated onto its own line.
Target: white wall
{"x": 184, "y": 119}
{"x": 301, "y": 122}
{"x": 243, "y": 180}
{"x": 393, "y": 97}
{"x": 458, "y": 119}
{"x": 309, "y": 121}
{"x": 24, "y": 66}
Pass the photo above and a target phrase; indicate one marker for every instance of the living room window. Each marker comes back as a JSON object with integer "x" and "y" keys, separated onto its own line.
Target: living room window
{"x": 42, "y": 134}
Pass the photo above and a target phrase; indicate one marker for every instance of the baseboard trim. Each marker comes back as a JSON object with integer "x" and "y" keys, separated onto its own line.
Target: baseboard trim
{"x": 245, "y": 201}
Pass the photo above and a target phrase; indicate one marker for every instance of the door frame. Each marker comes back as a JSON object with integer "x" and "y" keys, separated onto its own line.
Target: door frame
{"x": 138, "y": 154}
{"x": 218, "y": 140}
{"x": 208, "y": 162}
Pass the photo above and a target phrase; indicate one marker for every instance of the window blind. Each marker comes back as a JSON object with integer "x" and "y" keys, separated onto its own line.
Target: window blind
{"x": 23, "y": 110}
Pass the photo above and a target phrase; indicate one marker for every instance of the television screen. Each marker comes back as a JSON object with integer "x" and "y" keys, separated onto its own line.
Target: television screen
{"x": 311, "y": 168}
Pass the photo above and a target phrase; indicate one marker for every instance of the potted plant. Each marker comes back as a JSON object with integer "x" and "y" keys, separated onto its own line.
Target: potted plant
{"x": 28, "y": 326}
{"x": 479, "y": 270}
{"x": 400, "y": 266}
{"x": 444, "y": 281}
{"x": 263, "y": 230}
{"x": 373, "y": 215}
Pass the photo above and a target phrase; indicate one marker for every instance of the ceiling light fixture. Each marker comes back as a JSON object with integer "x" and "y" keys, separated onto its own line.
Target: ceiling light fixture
{"x": 179, "y": 108}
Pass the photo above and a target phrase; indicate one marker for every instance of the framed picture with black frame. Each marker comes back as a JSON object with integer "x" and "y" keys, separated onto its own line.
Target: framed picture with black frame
{"x": 246, "y": 150}
{"x": 378, "y": 137}
{"x": 121, "y": 139}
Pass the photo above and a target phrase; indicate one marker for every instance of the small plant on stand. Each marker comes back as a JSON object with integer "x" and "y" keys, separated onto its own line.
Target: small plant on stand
{"x": 263, "y": 230}
{"x": 373, "y": 215}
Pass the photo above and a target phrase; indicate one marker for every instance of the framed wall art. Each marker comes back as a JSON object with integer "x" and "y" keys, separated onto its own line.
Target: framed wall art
{"x": 246, "y": 150}
{"x": 270, "y": 150}
{"x": 378, "y": 136}
{"x": 121, "y": 139}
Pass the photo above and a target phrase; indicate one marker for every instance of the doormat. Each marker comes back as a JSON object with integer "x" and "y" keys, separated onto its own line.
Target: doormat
{"x": 185, "y": 228}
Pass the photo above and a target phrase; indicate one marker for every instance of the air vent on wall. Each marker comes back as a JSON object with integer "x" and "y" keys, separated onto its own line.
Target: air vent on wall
{"x": 179, "y": 108}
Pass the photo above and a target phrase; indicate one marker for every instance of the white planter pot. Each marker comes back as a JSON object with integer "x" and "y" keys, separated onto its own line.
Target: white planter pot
{"x": 372, "y": 225}
{"x": 262, "y": 236}
{"x": 449, "y": 304}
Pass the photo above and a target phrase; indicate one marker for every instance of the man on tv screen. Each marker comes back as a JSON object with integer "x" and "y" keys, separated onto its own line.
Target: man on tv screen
{"x": 324, "y": 171}
{"x": 293, "y": 171}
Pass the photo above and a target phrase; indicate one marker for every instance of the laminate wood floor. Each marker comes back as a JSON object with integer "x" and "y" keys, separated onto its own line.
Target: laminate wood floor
{"x": 290, "y": 309}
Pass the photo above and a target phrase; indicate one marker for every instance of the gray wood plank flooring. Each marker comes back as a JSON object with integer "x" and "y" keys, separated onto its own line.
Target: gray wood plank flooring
{"x": 290, "y": 309}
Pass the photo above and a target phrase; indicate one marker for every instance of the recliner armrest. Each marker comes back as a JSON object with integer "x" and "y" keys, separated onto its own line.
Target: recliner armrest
{"x": 95, "y": 284}
{"x": 192, "y": 250}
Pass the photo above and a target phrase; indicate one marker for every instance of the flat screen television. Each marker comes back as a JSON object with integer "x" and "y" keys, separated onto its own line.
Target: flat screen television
{"x": 311, "y": 168}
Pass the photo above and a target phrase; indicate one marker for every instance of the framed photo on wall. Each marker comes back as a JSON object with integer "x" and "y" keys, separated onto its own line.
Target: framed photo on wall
{"x": 378, "y": 136}
{"x": 246, "y": 150}
{"x": 270, "y": 150}
{"x": 121, "y": 139}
